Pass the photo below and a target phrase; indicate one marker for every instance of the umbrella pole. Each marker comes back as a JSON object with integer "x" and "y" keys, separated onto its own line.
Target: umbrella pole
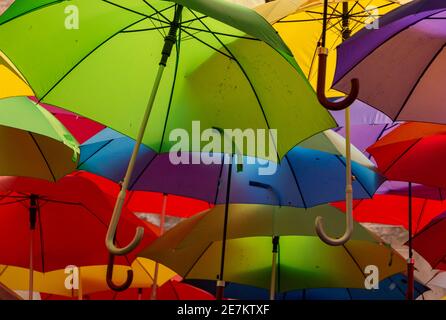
{"x": 139, "y": 293}
{"x": 272, "y": 290}
{"x": 31, "y": 266}
{"x": 220, "y": 282}
{"x": 169, "y": 42}
{"x": 80, "y": 290}
{"x": 410, "y": 261}
{"x": 162, "y": 223}
{"x": 32, "y": 227}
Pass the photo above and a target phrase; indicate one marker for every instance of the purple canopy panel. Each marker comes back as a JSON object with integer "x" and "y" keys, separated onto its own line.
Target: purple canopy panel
{"x": 401, "y": 65}
{"x": 418, "y": 190}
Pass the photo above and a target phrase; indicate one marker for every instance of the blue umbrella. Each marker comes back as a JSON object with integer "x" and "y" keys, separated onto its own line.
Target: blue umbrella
{"x": 310, "y": 174}
{"x": 392, "y": 288}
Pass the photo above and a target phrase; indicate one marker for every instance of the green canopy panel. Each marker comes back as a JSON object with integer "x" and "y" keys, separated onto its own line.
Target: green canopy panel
{"x": 33, "y": 142}
{"x": 219, "y": 73}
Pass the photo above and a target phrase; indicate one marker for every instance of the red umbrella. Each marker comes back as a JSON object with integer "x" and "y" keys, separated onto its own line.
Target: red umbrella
{"x": 151, "y": 202}
{"x": 47, "y": 226}
{"x": 392, "y": 210}
{"x": 413, "y": 152}
{"x": 431, "y": 242}
{"x": 171, "y": 290}
{"x": 412, "y": 213}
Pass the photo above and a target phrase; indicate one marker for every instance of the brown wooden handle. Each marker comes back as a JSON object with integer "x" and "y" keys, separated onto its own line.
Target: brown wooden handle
{"x": 330, "y": 105}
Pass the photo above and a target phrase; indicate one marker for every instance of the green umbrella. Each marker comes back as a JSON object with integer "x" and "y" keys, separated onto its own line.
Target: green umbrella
{"x": 98, "y": 58}
{"x": 33, "y": 142}
{"x": 299, "y": 259}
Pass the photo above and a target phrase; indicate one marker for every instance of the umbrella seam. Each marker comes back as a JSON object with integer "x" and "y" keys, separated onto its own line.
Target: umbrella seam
{"x": 296, "y": 181}
{"x": 401, "y": 155}
{"x": 196, "y": 261}
{"x": 415, "y": 86}
{"x": 381, "y": 44}
{"x": 254, "y": 91}
{"x": 43, "y": 156}
{"x": 357, "y": 179}
{"x": 86, "y": 56}
{"x": 30, "y": 11}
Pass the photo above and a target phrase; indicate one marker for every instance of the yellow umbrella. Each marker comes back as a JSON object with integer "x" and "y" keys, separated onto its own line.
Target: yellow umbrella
{"x": 299, "y": 23}
{"x": 311, "y": 28}
{"x": 91, "y": 278}
{"x": 11, "y": 82}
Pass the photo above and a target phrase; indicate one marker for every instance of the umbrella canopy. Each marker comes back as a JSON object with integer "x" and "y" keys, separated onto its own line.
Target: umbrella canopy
{"x": 81, "y": 128}
{"x": 261, "y": 91}
{"x": 391, "y": 288}
{"x": 310, "y": 174}
{"x": 418, "y": 190}
{"x": 367, "y": 125}
{"x": 393, "y": 210}
{"x": 70, "y": 220}
{"x": 33, "y": 142}
{"x": 430, "y": 242}
{"x": 171, "y": 290}
{"x": 400, "y": 65}
{"x": 91, "y": 278}
{"x": 150, "y": 202}
{"x": 413, "y": 152}
{"x": 299, "y": 23}
{"x": 192, "y": 249}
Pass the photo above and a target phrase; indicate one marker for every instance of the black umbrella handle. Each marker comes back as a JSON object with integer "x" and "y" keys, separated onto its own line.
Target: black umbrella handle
{"x": 109, "y": 277}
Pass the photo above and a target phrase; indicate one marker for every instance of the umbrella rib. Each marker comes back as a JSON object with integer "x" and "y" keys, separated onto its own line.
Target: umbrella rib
{"x": 358, "y": 180}
{"x": 415, "y": 86}
{"x": 144, "y": 269}
{"x": 354, "y": 260}
{"x": 103, "y": 224}
{"x": 196, "y": 261}
{"x": 160, "y": 13}
{"x": 297, "y": 182}
{"x": 86, "y": 56}
{"x": 94, "y": 153}
{"x": 400, "y": 156}
{"x": 194, "y": 19}
{"x": 376, "y": 48}
{"x": 207, "y": 44}
{"x": 146, "y": 29}
{"x": 32, "y": 10}
{"x": 12, "y": 202}
{"x": 177, "y": 61}
{"x": 137, "y": 12}
{"x": 43, "y": 156}
{"x": 221, "y": 33}
{"x": 247, "y": 78}
{"x": 420, "y": 216}
{"x": 135, "y": 180}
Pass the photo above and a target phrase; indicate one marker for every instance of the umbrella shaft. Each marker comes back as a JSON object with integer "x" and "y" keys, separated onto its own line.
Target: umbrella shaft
{"x": 272, "y": 291}
{"x": 31, "y": 266}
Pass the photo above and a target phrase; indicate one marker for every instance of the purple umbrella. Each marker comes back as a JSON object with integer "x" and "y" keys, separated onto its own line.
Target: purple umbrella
{"x": 367, "y": 124}
{"x": 418, "y": 190}
{"x": 400, "y": 65}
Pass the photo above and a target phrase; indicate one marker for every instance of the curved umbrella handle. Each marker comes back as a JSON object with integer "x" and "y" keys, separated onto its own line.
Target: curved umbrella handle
{"x": 109, "y": 277}
{"x": 111, "y": 232}
{"x": 330, "y": 105}
{"x": 348, "y": 196}
{"x": 348, "y": 229}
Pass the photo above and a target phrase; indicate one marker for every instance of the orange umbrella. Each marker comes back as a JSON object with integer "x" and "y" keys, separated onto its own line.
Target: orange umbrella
{"x": 413, "y": 152}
